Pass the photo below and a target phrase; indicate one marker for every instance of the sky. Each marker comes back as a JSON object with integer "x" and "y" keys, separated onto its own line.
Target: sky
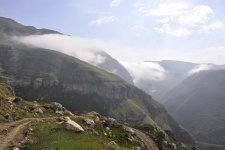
{"x": 133, "y": 30}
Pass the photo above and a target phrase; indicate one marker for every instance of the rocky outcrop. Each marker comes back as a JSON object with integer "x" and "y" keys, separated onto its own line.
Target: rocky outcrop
{"x": 111, "y": 92}
{"x": 71, "y": 125}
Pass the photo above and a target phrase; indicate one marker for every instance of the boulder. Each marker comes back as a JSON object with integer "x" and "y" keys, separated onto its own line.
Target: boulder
{"x": 113, "y": 145}
{"x": 94, "y": 115}
{"x": 57, "y": 106}
{"x": 37, "y": 110}
{"x": 59, "y": 112}
{"x": 71, "y": 125}
{"x": 129, "y": 130}
{"x": 110, "y": 122}
{"x": 91, "y": 131}
{"x": 89, "y": 122}
{"x": 69, "y": 113}
{"x": 6, "y": 116}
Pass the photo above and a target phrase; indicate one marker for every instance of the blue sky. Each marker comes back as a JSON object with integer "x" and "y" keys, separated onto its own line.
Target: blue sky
{"x": 189, "y": 30}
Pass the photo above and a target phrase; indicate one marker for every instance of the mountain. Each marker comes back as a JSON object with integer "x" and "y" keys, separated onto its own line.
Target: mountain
{"x": 198, "y": 105}
{"x": 31, "y": 125}
{"x": 113, "y": 66}
{"x": 172, "y": 74}
{"x": 42, "y": 74}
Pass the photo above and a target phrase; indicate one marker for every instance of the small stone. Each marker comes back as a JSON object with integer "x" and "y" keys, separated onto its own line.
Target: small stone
{"x": 107, "y": 128}
{"x": 38, "y": 110}
{"x": 113, "y": 145}
{"x": 15, "y": 148}
{"x": 6, "y": 116}
{"x": 89, "y": 122}
{"x": 110, "y": 122}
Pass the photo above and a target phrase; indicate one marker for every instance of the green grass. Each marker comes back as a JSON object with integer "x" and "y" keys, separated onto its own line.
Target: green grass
{"x": 133, "y": 110}
{"x": 50, "y": 136}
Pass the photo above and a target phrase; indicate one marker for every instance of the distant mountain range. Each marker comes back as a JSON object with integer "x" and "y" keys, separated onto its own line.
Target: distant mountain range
{"x": 174, "y": 73}
{"x": 43, "y": 74}
{"x": 194, "y": 94}
{"x": 198, "y": 104}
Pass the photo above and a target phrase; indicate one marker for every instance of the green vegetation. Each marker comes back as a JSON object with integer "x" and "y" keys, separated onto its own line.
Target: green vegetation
{"x": 50, "y": 136}
{"x": 162, "y": 140}
{"x": 129, "y": 110}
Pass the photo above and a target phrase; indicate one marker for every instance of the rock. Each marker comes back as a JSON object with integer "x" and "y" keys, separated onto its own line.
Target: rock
{"x": 110, "y": 122}
{"x": 110, "y": 134}
{"x": 4, "y": 132}
{"x": 165, "y": 142}
{"x": 183, "y": 146}
{"x": 97, "y": 119}
{"x": 173, "y": 146}
{"x": 59, "y": 112}
{"x": 92, "y": 131}
{"x": 28, "y": 131}
{"x": 130, "y": 138}
{"x": 68, "y": 113}
{"x": 129, "y": 130}
{"x": 57, "y": 106}
{"x": 107, "y": 128}
{"x": 71, "y": 125}
{"x": 37, "y": 110}
{"x": 136, "y": 148}
{"x": 94, "y": 115}
{"x": 6, "y": 116}
{"x": 113, "y": 145}
{"x": 89, "y": 122}
{"x": 16, "y": 99}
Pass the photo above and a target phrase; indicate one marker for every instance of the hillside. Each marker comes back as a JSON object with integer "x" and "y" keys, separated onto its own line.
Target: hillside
{"x": 198, "y": 104}
{"x": 112, "y": 65}
{"x": 46, "y": 75}
{"x": 32, "y": 125}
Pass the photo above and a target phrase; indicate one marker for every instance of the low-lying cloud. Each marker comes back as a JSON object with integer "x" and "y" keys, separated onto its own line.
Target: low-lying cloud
{"x": 200, "y": 68}
{"x": 145, "y": 71}
{"x": 82, "y": 48}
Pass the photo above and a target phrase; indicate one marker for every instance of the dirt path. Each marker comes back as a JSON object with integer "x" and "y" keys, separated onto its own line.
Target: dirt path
{"x": 147, "y": 140}
{"x": 14, "y": 135}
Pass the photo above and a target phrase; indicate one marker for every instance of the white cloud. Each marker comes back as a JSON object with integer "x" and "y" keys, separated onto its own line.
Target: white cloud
{"x": 211, "y": 27}
{"x": 199, "y": 15}
{"x": 178, "y": 31}
{"x": 200, "y": 68}
{"x": 138, "y": 27}
{"x": 145, "y": 71}
{"x": 86, "y": 49}
{"x": 114, "y": 3}
{"x": 180, "y": 18}
{"x": 82, "y": 48}
{"x": 103, "y": 20}
{"x": 170, "y": 9}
